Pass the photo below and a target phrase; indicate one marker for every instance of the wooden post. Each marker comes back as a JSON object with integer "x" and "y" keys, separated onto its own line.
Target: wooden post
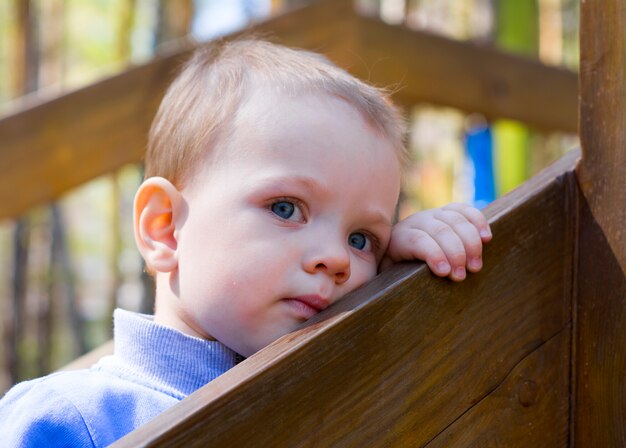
{"x": 600, "y": 368}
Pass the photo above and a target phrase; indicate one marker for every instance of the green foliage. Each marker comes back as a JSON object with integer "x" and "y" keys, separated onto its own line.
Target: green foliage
{"x": 91, "y": 49}
{"x": 517, "y": 26}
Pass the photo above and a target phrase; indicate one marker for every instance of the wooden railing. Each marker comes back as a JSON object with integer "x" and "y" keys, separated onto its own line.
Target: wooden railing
{"x": 530, "y": 352}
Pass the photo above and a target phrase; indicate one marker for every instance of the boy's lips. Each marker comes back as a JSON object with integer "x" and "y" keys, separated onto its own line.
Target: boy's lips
{"x": 308, "y": 305}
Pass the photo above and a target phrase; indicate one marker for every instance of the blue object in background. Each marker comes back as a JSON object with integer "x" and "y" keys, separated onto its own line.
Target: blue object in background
{"x": 479, "y": 147}
{"x": 216, "y": 18}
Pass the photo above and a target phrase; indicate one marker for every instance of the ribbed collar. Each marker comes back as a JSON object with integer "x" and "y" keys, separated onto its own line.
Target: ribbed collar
{"x": 169, "y": 360}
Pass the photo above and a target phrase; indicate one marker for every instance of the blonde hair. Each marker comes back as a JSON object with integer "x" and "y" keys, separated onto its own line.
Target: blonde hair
{"x": 196, "y": 109}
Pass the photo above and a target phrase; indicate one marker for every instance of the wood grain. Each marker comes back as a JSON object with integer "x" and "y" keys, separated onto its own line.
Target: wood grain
{"x": 468, "y": 76}
{"x": 533, "y": 399}
{"x": 603, "y": 118}
{"x": 410, "y": 358}
{"x": 49, "y": 147}
{"x": 600, "y": 414}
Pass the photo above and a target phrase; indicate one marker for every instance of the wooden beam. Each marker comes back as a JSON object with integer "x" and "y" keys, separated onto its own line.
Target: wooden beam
{"x": 413, "y": 360}
{"x": 470, "y": 77}
{"x": 600, "y": 365}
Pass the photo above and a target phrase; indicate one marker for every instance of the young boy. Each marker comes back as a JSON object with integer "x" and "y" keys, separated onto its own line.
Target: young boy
{"x": 272, "y": 179}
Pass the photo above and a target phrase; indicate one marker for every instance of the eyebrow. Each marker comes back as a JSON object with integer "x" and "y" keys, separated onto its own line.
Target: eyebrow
{"x": 307, "y": 182}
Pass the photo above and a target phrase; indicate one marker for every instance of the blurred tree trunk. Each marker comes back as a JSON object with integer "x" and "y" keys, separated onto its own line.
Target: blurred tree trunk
{"x": 61, "y": 279}
{"x": 26, "y": 68}
{"x": 51, "y": 70}
{"x": 27, "y": 64}
{"x": 15, "y": 309}
{"x": 62, "y": 271}
{"x": 174, "y": 19}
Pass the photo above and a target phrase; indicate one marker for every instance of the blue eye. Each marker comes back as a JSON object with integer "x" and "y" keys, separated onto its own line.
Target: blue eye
{"x": 288, "y": 211}
{"x": 358, "y": 240}
{"x": 283, "y": 209}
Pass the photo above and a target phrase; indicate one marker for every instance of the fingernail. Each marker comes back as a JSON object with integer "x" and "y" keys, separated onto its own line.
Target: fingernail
{"x": 443, "y": 267}
{"x": 459, "y": 273}
{"x": 476, "y": 263}
{"x": 484, "y": 233}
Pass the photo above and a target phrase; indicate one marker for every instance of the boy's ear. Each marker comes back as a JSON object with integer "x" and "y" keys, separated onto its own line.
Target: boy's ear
{"x": 157, "y": 205}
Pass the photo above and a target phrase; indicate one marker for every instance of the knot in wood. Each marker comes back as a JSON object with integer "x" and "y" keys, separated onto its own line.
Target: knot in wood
{"x": 527, "y": 393}
{"x": 498, "y": 88}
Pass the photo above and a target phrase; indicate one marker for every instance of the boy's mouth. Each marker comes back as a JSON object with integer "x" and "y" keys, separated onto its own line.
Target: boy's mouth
{"x": 308, "y": 305}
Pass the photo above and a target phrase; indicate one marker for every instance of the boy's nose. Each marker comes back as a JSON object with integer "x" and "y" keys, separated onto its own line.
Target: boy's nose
{"x": 333, "y": 260}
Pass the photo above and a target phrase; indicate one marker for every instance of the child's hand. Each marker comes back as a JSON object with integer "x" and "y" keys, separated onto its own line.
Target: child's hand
{"x": 449, "y": 239}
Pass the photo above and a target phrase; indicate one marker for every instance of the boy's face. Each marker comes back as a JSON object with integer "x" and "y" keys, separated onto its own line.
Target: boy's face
{"x": 294, "y": 213}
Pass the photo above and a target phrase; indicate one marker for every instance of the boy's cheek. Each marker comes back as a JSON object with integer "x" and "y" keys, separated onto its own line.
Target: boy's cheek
{"x": 359, "y": 276}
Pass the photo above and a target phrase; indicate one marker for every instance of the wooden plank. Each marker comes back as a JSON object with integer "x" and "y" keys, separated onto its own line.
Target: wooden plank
{"x": 49, "y": 148}
{"x": 600, "y": 413}
{"x": 531, "y": 393}
{"x": 468, "y": 76}
{"x": 407, "y": 356}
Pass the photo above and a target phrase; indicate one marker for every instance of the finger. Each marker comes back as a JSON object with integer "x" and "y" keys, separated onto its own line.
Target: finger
{"x": 411, "y": 243}
{"x": 451, "y": 245}
{"x": 469, "y": 236}
{"x": 474, "y": 216}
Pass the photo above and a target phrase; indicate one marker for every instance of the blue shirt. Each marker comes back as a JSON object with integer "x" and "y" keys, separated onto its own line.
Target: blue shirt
{"x": 153, "y": 367}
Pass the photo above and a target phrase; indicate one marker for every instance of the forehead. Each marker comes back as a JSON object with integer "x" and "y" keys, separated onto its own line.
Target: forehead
{"x": 303, "y": 119}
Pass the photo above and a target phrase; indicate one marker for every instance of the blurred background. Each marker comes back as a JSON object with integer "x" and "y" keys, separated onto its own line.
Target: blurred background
{"x": 65, "y": 266}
